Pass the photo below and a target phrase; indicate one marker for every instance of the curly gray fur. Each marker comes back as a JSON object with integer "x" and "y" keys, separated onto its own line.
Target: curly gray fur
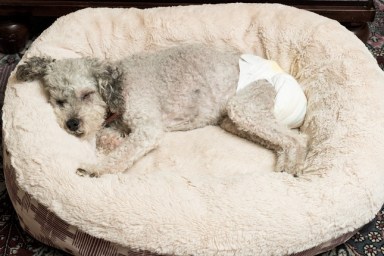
{"x": 109, "y": 78}
{"x": 34, "y": 68}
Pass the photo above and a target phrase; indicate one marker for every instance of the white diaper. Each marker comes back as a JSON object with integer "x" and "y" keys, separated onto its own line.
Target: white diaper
{"x": 290, "y": 101}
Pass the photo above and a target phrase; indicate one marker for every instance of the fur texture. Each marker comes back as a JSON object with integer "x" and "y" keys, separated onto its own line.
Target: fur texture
{"x": 179, "y": 88}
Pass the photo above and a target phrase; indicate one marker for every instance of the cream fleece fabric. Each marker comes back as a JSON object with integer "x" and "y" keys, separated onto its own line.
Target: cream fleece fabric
{"x": 206, "y": 192}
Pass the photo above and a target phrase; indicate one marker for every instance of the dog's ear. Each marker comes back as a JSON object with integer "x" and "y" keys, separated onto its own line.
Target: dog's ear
{"x": 110, "y": 85}
{"x": 34, "y": 68}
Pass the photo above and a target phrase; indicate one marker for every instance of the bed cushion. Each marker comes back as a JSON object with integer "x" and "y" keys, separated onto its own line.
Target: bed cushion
{"x": 205, "y": 192}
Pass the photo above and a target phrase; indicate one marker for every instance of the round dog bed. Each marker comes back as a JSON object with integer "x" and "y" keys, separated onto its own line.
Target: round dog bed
{"x": 204, "y": 192}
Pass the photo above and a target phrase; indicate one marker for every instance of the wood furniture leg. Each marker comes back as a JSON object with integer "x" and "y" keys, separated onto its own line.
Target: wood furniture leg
{"x": 13, "y": 36}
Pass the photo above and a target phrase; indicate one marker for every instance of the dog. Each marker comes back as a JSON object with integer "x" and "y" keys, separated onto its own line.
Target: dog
{"x": 147, "y": 94}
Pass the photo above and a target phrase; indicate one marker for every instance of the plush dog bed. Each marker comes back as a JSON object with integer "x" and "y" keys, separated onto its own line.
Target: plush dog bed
{"x": 204, "y": 192}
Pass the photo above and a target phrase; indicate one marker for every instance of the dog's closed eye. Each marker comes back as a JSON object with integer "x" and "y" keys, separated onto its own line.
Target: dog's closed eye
{"x": 87, "y": 95}
{"x": 60, "y": 103}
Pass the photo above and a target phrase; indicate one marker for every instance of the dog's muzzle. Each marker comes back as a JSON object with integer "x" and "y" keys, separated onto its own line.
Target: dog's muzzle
{"x": 73, "y": 124}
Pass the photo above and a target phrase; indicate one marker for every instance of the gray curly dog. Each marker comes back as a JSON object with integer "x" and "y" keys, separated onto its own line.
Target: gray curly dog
{"x": 147, "y": 94}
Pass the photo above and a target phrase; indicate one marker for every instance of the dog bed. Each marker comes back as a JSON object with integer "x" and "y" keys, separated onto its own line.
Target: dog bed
{"x": 204, "y": 192}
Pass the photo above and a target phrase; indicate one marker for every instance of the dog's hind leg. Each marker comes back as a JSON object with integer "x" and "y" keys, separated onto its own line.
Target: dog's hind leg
{"x": 250, "y": 115}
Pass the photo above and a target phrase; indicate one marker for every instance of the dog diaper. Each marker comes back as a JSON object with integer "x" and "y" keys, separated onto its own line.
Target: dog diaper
{"x": 290, "y": 101}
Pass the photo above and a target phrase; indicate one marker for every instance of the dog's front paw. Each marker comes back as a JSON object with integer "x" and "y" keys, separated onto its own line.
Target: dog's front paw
{"x": 90, "y": 171}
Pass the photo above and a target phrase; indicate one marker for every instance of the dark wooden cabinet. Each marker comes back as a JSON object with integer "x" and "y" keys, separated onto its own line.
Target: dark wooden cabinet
{"x": 341, "y": 10}
{"x": 354, "y": 14}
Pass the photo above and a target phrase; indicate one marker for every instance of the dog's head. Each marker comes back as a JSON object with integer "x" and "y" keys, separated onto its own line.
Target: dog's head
{"x": 82, "y": 91}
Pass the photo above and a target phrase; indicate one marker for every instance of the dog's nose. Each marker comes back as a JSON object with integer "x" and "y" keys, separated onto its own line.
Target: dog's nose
{"x": 73, "y": 124}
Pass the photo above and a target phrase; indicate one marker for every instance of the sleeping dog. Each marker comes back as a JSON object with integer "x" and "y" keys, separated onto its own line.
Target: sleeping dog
{"x": 147, "y": 94}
